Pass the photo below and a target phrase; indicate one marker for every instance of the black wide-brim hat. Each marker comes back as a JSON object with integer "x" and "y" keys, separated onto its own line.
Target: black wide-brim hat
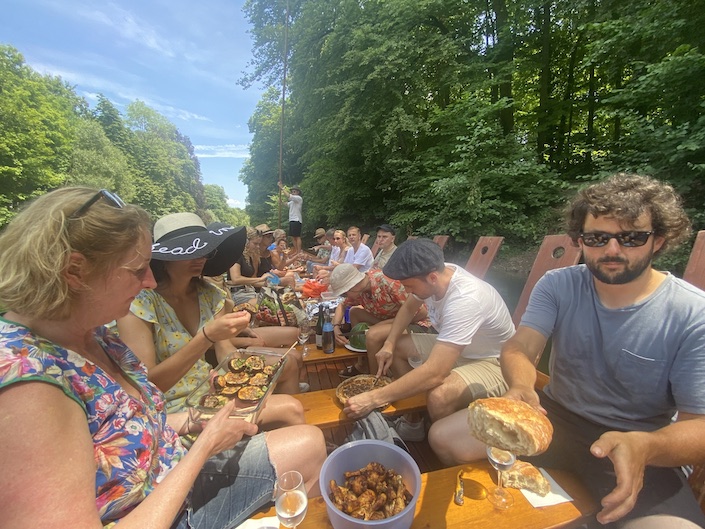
{"x": 182, "y": 236}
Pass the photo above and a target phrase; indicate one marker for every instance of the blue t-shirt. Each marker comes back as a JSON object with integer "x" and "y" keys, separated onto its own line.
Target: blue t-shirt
{"x": 630, "y": 368}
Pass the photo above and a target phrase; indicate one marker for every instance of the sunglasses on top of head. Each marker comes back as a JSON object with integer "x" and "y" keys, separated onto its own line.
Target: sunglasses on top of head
{"x": 111, "y": 198}
{"x": 628, "y": 239}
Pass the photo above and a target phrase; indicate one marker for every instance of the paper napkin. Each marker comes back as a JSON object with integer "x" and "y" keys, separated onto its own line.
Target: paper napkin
{"x": 556, "y": 496}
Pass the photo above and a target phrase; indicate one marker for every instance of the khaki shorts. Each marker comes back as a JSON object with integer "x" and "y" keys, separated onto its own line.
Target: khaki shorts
{"x": 483, "y": 376}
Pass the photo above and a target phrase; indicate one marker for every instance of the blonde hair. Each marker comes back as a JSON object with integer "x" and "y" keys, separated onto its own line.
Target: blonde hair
{"x": 251, "y": 251}
{"x": 36, "y": 246}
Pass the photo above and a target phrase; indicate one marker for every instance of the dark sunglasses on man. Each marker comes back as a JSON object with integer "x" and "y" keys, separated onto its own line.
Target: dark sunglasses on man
{"x": 628, "y": 239}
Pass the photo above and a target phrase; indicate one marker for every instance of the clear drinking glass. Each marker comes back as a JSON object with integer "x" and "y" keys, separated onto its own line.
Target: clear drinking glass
{"x": 304, "y": 333}
{"x": 501, "y": 460}
{"x": 291, "y": 500}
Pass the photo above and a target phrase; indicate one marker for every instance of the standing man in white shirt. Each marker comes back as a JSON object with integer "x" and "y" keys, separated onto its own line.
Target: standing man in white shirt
{"x": 361, "y": 257}
{"x": 296, "y": 218}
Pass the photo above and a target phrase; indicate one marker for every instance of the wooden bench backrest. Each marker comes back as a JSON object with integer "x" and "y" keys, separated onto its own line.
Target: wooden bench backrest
{"x": 482, "y": 255}
{"x": 695, "y": 269}
{"x": 441, "y": 240}
{"x": 375, "y": 248}
{"x": 695, "y": 275}
{"x": 365, "y": 238}
{"x": 556, "y": 251}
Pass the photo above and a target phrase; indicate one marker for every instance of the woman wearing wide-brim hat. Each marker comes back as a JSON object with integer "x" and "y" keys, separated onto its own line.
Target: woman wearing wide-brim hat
{"x": 171, "y": 327}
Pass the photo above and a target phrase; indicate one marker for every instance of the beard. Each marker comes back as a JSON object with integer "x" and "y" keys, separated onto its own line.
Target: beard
{"x": 627, "y": 275}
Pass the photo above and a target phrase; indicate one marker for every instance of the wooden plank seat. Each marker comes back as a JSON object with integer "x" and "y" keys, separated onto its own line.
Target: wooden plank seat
{"x": 435, "y": 507}
{"x": 316, "y": 356}
{"x": 322, "y": 408}
{"x": 483, "y": 255}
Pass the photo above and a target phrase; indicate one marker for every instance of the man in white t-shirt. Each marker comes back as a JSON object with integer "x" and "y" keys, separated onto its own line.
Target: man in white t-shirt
{"x": 361, "y": 257}
{"x": 296, "y": 204}
{"x": 460, "y": 364}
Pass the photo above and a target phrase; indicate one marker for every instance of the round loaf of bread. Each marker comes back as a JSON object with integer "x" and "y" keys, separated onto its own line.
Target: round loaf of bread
{"x": 511, "y": 425}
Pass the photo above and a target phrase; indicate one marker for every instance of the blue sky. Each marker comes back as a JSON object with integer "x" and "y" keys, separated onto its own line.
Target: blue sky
{"x": 182, "y": 58}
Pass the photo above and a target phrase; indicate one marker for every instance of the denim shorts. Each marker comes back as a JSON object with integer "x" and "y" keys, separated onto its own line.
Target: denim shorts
{"x": 231, "y": 487}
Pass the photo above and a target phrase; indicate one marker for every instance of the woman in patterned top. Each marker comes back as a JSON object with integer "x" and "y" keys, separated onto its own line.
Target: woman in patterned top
{"x": 85, "y": 436}
{"x": 171, "y": 327}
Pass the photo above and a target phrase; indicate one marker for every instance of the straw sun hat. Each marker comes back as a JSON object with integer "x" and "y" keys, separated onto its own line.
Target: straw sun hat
{"x": 182, "y": 236}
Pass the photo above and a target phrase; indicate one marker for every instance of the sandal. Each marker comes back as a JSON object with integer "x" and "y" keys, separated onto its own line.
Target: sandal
{"x": 350, "y": 371}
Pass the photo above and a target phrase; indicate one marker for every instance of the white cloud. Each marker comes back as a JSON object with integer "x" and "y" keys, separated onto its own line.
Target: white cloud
{"x": 235, "y": 203}
{"x": 222, "y": 151}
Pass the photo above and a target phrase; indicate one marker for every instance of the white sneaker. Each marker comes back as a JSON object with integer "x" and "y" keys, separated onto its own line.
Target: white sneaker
{"x": 413, "y": 432}
{"x": 304, "y": 387}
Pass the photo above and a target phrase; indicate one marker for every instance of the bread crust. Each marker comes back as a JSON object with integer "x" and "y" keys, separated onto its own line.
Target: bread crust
{"x": 524, "y": 475}
{"x": 511, "y": 425}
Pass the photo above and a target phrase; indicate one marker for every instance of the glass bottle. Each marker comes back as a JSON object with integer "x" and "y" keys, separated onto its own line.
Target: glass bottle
{"x": 328, "y": 335}
{"x": 319, "y": 327}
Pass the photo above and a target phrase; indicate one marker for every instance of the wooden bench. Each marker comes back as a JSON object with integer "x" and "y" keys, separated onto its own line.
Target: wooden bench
{"x": 435, "y": 508}
{"x": 695, "y": 275}
{"x": 556, "y": 251}
{"x": 316, "y": 356}
{"x": 483, "y": 255}
{"x": 441, "y": 240}
{"x": 322, "y": 408}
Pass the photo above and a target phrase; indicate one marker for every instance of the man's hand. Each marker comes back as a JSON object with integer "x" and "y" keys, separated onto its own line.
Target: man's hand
{"x": 361, "y": 405}
{"x": 526, "y": 394}
{"x": 339, "y": 338}
{"x": 627, "y": 452}
{"x": 384, "y": 360}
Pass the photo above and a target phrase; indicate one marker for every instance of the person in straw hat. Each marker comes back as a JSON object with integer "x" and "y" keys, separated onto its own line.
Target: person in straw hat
{"x": 85, "y": 435}
{"x": 171, "y": 327}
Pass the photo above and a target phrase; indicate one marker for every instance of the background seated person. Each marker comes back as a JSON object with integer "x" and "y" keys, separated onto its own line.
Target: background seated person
{"x": 324, "y": 240}
{"x": 360, "y": 255}
{"x": 245, "y": 275}
{"x": 375, "y": 299}
{"x": 85, "y": 436}
{"x": 460, "y": 362}
{"x": 626, "y": 396}
{"x": 338, "y": 254}
{"x": 386, "y": 235}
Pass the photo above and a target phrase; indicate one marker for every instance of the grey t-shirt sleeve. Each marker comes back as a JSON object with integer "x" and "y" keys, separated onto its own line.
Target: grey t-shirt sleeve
{"x": 542, "y": 310}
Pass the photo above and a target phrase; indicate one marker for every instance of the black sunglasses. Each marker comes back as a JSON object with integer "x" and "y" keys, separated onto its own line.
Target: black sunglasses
{"x": 629, "y": 239}
{"x": 111, "y": 198}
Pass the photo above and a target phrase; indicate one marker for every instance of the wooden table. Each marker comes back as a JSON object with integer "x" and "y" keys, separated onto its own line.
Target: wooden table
{"x": 316, "y": 355}
{"x": 323, "y": 409}
{"x": 435, "y": 508}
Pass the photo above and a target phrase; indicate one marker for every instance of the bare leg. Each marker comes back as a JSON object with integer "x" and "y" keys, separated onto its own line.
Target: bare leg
{"x": 376, "y": 335}
{"x": 451, "y": 441}
{"x": 280, "y": 411}
{"x": 301, "y": 448}
{"x": 451, "y": 396}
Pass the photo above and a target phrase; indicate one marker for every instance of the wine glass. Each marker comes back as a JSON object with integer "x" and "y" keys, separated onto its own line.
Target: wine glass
{"x": 501, "y": 460}
{"x": 304, "y": 332}
{"x": 291, "y": 501}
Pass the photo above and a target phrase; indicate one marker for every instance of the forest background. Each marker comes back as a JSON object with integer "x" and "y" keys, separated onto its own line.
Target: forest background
{"x": 461, "y": 117}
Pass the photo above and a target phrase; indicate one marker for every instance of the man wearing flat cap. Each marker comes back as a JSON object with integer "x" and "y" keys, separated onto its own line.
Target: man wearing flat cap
{"x": 296, "y": 204}
{"x": 386, "y": 235}
{"x": 460, "y": 363}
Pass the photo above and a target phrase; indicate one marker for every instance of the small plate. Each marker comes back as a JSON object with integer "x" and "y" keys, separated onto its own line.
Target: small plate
{"x": 354, "y": 349}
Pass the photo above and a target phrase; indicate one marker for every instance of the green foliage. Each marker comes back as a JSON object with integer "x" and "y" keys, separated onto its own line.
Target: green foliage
{"x": 217, "y": 209}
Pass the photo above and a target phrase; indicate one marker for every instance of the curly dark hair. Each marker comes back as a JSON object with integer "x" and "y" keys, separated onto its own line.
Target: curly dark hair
{"x": 626, "y": 197}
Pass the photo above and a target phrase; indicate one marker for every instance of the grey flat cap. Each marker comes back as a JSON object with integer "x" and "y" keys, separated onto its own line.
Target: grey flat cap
{"x": 414, "y": 258}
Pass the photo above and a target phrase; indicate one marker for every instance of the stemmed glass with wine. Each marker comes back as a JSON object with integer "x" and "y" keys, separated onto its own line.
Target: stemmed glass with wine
{"x": 291, "y": 501}
{"x": 501, "y": 460}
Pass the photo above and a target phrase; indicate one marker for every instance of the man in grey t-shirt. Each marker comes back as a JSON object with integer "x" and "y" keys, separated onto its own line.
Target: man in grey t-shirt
{"x": 627, "y": 389}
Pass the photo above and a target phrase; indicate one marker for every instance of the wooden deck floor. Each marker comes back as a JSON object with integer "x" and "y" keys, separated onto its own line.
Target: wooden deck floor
{"x": 325, "y": 376}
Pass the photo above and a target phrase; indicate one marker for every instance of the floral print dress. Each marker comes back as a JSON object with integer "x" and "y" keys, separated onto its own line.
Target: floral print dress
{"x": 170, "y": 335}
{"x": 133, "y": 446}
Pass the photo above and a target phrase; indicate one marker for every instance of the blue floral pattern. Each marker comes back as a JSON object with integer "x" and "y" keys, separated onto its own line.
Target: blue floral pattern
{"x": 134, "y": 448}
